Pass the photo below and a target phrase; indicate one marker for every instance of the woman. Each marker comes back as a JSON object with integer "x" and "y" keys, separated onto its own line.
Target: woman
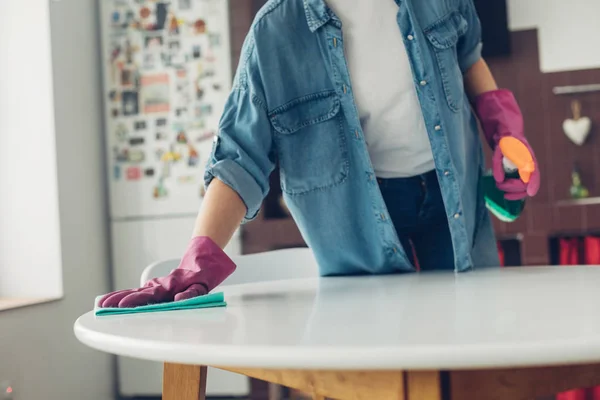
{"x": 376, "y": 136}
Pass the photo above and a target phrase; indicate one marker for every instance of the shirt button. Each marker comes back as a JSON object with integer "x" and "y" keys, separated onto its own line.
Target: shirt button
{"x": 437, "y": 128}
{"x": 446, "y": 173}
{"x": 456, "y": 216}
{"x": 410, "y": 37}
{"x": 423, "y": 83}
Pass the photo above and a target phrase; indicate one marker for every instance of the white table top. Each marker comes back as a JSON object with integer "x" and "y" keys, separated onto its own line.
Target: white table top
{"x": 481, "y": 319}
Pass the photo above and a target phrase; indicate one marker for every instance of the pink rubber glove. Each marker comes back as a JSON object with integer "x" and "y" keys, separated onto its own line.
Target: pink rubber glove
{"x": 203, "y": 267}
{"x": 500, "y": 116}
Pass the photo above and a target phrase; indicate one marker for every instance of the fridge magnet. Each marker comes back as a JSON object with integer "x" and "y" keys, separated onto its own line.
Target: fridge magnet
{"x": 196, "y": 124}
{"x": 196, "y": 53}
{"x": 161, "y": 136}
{"x": 578, "y": 191}
{"x": 113, "y": 95}
{"x": 203, "y": 110}
{"x": 121, "y": 132}
{"x": 145, "y": 12}
{"x": 207, "y": 73}
{"x": 140, "y": 125}
{"x": 115, "y": 18}
{"x": 174, "y": 48}
{"x": 115, "y": 55}
{"x": 130, "y": 102}
{"x": 184, "y": 4}
{"x": 181, "y": 112}
{"x": 173, "y": 25}
{"x": 202, "y": 191}
{"x": 206, "y": 136}
{"x": 193, "y": 156}
{"x": 127, "y": 78}
{"x": 182, "y": 138}
{"x": 199, "y": 27}
{"x": 171, "y": 156}
{"x": 214, "y": 39}
{"x": 155, "y": 93}
{"x": 185, "y": 179}
{"x": 117, "y": 172}
{"x": 136, "y": 156}
{"x": 121, "y": 155}
{"x": 216, "y": 87}
{"x": 149, "y": 172}
{"x": 136, "y": 141}
{"x": 199, "y": 92}
{"x": 161, "y": 122}
{"x": 130, "y": 50}
{"x": 160, "y": 190}
{"x": 153, "y": 43}
{"x": 159, "y": 153}
{"x": 577, "y": 128}
{"x": 115, "y": 112}
{"x": 133, "y": 173}
{"x": 161, "y": 12}
{"x": 130, "y": 18}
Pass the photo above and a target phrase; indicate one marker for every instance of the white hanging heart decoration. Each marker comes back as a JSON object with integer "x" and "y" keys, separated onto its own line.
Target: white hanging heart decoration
{"x": 577, "y": 129}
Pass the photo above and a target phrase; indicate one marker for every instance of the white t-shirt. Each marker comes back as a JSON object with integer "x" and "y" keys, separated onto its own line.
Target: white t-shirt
{"x": 384, "y": 88}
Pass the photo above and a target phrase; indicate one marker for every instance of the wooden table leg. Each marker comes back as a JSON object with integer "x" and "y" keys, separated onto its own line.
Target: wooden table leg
{"x": 423, "y": 385}
{"x": 184, "y": 382}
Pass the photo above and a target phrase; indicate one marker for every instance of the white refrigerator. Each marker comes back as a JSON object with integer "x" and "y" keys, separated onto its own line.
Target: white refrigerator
{"x": 166, "y": 75}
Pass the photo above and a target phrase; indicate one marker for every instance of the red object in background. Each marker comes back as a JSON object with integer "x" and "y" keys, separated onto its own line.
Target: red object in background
{"x": 569, "y": 251}
{"x": 592, "y": 251}
{"x": 134, "y": 173}
{"x": 501, "y": 254}
{"x": 595, "y": 393}
{"x": 578, "y": 394}
{"x": 571, "y": 254}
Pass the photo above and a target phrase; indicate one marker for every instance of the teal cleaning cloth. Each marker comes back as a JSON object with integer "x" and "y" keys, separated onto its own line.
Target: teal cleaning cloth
{"x": 206, "y": 301}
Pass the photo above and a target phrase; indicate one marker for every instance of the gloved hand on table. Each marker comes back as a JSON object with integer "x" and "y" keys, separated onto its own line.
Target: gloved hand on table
{"x": 203, "y": 267}
{"x": 503, "y": 126}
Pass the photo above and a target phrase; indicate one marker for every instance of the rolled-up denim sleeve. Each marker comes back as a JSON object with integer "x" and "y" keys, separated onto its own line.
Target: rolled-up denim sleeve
{"x": 242, "y": 149}
{"x": 470, "y": 44}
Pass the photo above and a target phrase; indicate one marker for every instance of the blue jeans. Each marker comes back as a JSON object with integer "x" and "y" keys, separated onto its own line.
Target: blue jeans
{"x": 417, "y": 210}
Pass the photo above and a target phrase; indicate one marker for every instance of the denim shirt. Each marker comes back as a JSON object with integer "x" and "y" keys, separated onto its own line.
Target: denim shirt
{"x": 292, "y": 104}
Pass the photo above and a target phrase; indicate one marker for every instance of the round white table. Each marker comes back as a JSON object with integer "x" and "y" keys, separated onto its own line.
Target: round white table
{"x": 494, "y": 334}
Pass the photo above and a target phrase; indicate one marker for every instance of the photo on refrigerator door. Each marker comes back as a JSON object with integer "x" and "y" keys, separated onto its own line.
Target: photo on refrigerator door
{"x": 167, "y": 74}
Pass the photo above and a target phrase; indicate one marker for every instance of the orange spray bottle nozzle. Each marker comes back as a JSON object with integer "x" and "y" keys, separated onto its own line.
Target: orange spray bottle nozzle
{"x": 518, "y": 154}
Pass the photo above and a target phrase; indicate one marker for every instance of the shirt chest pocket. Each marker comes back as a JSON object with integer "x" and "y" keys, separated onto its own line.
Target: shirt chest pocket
{"x": 311, "y": 145}
{"x": 444, "y": 36}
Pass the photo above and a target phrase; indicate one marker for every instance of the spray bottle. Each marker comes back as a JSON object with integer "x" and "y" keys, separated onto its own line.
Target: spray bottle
{"x": 518, "y": 164}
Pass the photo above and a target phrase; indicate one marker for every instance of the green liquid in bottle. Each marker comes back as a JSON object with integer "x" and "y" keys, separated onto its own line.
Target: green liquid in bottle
{"x": 504, "y": 210}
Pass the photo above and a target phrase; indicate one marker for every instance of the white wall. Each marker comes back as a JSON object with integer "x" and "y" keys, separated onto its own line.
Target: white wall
{"x": 30, "y": 259}
{"x": 38, "y": 350}
{"x": 568, "y": 31}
